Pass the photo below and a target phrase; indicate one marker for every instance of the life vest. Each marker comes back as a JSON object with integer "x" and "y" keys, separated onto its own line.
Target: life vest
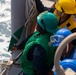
{"x": 42, "y": 40}
{"x": 69, "y": 23}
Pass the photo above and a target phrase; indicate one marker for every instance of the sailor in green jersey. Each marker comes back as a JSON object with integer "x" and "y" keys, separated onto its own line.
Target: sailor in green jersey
{"x": 37, "y": 57}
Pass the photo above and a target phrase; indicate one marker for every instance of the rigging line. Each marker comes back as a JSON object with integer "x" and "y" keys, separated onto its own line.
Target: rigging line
{"x": 29, "y": 7}
{"x": 30, "y": 15}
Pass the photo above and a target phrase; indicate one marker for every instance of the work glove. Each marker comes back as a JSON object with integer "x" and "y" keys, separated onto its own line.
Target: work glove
{"x": 15, "y": 47}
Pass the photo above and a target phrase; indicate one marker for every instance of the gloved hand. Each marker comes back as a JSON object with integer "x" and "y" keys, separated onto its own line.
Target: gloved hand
{"x": 15, "y": 47}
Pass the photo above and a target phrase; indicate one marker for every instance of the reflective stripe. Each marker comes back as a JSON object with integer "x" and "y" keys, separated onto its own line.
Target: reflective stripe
{"x": 15, "y": 37}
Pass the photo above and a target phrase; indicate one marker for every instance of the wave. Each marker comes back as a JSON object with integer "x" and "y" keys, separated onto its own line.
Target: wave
{"x": 5, "y": 26}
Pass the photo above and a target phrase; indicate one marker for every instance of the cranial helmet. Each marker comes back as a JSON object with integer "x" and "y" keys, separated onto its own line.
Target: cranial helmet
{"x": 59, "y": 36}
{"x": 48, "y": 21}
{"x": 68, "y": 63}
{"x": 66, "y": 6}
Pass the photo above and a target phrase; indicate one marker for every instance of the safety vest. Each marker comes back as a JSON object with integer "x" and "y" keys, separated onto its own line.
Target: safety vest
{"x": 70, "y": 23}
{"x": 43, "y": 41}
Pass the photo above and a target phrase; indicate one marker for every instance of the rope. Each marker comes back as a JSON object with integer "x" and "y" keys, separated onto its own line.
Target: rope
{"x": 31, "y": 14}
{"x": 7, "y": 66}
{"x": 3, "y": 71}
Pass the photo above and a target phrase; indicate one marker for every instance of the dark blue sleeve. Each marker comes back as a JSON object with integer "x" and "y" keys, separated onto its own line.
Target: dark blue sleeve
{"x": 39, "y": 60}
{"x": 22, "y": 44}
{"x": 41, "y": 8}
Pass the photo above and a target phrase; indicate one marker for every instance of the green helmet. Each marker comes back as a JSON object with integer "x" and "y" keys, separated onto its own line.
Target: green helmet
{"x": 48, "y": 21}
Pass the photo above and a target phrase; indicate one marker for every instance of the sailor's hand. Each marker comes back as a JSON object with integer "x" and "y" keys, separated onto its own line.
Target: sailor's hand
{"x": 15, "y": 47}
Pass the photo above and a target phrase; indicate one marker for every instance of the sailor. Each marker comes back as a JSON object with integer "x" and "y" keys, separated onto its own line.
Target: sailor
{"x": 68, "y": 56}
{"x": 58, "y": 37}
{"x": 37, "y": 57}
{"x": 65, "y": 10}
{"x": 65, "y": 13}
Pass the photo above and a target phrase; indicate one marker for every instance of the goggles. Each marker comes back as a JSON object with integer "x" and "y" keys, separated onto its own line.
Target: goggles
{"x": 56, "y": 38}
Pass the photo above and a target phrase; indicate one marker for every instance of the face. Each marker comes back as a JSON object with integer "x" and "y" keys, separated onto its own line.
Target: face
{"x": 61, "y": 14}
{"x": 58, "y": 13}
{"x": 40, "y": 29}
{"x": 74, "y": 16}
{"x": 64, "y": 51}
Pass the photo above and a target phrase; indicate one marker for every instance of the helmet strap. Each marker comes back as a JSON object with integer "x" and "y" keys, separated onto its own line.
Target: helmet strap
{"x": 67, "y": 48}
{"x": 43, "y": 24}
{"x": 62, "y": 10}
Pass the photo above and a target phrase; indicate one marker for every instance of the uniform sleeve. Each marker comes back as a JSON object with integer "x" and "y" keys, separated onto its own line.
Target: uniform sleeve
{"x": 39, "y": 60}
{"x": 41, "y": 7}
{"x": 22, "y": 44}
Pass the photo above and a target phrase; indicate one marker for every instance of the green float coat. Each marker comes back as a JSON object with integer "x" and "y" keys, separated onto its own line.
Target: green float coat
{"x": 43, "y": 41}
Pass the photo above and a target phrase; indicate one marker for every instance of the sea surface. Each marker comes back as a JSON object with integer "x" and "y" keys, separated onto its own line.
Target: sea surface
{"x": 5, "y": 28}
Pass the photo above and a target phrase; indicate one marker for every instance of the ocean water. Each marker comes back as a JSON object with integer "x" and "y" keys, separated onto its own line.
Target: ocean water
{"x": 5, "y": 28}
